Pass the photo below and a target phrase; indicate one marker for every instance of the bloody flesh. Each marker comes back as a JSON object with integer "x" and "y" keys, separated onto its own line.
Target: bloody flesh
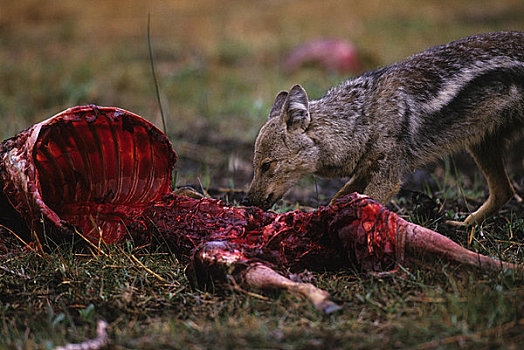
{"x": 354, "y": 231}
{"x": 106, "y": 173}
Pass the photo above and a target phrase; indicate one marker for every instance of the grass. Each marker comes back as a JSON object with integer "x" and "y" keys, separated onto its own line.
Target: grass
{"x": 57, "y": 297}
{"x": 219, "y": 67}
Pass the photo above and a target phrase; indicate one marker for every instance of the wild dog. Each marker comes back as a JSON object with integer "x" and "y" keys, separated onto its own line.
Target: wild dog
{"x": 382, "y": 125}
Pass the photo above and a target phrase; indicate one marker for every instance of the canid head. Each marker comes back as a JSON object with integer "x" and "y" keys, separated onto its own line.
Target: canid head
{"x": 283, "y": 150}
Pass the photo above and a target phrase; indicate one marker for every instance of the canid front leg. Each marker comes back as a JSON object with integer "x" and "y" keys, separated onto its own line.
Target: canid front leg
{"x": 355, "y": 184}
{"x": 489, "y": 157}
{"x": 383, "y": 191}
{"x": 380, "y": 181}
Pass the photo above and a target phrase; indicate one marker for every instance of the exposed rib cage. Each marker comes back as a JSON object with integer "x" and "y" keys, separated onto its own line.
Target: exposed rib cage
{"x": 91, "y": 167}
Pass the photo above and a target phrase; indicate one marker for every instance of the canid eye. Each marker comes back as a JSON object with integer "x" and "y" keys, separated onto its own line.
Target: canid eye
{"x": 265, "y": 167}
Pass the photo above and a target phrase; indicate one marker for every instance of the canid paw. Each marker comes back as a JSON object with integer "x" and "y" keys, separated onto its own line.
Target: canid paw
{"x": 471, "y": 220}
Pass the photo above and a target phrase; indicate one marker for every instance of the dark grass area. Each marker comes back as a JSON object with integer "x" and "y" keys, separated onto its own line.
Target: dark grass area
{"x": 219, "y": 67}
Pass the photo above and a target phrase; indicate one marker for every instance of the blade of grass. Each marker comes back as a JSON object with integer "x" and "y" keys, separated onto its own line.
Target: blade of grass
{"x": 27, "y": 245}
{"x": 153, "y": 71}
{"x": 138, "y": 262}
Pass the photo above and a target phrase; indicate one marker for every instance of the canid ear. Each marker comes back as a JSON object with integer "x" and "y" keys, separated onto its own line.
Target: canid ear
{"x": 296, "y": 110}
{"x": 276, "y": 109}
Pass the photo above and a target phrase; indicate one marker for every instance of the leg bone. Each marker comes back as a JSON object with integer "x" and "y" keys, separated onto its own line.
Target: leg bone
{"x": 217, "y": 261}
{"x": 263, "y": 277}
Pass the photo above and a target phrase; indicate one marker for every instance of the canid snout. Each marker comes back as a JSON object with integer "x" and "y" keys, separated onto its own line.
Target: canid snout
{"x": 263, "y": 203}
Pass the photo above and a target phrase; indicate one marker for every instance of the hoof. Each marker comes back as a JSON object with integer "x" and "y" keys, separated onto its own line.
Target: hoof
{"x": 329, "y": 307}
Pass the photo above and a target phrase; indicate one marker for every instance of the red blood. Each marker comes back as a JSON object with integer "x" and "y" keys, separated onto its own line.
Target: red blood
{"x": 106, "y": 173}
{"x": 356, "y": 230}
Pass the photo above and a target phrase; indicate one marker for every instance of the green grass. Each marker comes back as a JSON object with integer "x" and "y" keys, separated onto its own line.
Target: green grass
{"x": 57, "y": 297}
{"x": 220, "y": 66}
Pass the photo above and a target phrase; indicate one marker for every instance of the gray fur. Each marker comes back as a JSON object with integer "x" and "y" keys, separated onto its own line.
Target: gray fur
{"x": 382, "y": 125}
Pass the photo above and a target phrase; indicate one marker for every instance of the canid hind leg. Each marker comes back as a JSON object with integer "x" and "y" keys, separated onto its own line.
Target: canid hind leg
{"x": 488, "y": 155}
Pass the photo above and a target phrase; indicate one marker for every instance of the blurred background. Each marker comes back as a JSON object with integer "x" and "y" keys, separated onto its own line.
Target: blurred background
{"x": 219, "y": 63}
